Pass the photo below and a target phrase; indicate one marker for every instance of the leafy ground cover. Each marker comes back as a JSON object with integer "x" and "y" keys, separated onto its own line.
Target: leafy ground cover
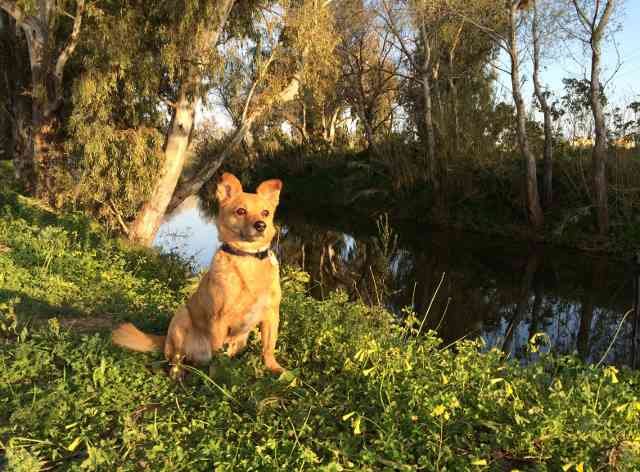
{"x": 364, "y": 392}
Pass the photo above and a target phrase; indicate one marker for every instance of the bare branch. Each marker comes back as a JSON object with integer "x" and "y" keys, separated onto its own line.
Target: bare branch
{"x": 582, "y": 16}
{"x": 72, "y": 42}
{"x": 118, "y": 215}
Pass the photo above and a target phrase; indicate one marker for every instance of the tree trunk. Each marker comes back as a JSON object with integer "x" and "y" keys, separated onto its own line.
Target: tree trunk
{"x": 534, "y": 210}
{"x": 456, "y": 118}
{"x": 454, "y": 90}
{"x": 428, "y": 116}
{"x": 15, "y": 84}
{"x": 599, "y": 156}
{"x": 193, "y": 185}
{"x": 144, "y": 228}
{"x": 366, "y": 125}
{"x": 148, "y": 220}
{"x": 47, "y": 69}
{"x": 596, "y": 28}
{"x": 547, "y": 180}
{"x": 332, "y": 126}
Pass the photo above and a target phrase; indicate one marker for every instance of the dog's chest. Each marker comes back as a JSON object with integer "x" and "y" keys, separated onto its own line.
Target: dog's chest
{"x": 251, "y": 316}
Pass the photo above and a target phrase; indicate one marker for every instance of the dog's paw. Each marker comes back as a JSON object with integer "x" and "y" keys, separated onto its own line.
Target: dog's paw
{"x": 275, "y": 368}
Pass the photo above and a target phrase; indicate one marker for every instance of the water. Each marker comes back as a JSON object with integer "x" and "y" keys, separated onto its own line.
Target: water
{"x": 500, "y": 290}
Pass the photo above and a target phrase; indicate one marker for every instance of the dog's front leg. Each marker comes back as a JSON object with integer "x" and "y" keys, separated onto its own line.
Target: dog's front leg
{"x": 217, "y": 336}
{"x": 269, "y": 336}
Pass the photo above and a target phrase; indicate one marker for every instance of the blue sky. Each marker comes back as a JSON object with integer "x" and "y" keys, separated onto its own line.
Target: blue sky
{"x": 571, "y": 62}
{"x": 626, "y": 83}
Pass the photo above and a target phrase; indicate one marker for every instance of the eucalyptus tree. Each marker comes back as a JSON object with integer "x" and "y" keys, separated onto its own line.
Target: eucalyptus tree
{"x": 52, "y": 35}
{"x": 590, "y": 22}
{"x": 503, "y": 23}
{"x": 191, "y": 48}
{"x": 543, "y": 31}
{"x": 303, "y": 47}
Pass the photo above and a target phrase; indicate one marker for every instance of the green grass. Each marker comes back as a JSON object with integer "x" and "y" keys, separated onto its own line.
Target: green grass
{"x": 363, "y": 394}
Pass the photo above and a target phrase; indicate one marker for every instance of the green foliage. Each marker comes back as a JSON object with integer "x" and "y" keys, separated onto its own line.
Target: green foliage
{"x": 363, "y": 392}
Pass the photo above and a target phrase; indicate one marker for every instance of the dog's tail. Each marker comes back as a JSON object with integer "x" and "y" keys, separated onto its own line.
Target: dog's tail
{"x": 128, "y": 336}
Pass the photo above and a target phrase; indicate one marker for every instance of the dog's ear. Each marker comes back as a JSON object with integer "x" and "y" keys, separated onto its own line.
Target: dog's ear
{"x": 270, "y": 190}
{"x": 228, "y": 187}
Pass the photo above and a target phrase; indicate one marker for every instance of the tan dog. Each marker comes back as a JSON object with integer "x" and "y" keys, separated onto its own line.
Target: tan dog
{"x": 240, "y": 291}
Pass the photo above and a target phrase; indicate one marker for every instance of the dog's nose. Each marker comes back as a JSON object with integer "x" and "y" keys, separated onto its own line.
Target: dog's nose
{"x": 260, "y": 226}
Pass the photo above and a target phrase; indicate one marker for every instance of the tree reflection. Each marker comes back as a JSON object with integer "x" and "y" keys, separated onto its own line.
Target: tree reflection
{"x": 505, "y": 293}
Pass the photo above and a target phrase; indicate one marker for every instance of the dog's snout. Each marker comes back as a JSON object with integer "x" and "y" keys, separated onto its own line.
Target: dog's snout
{"x": 260, "y": 226}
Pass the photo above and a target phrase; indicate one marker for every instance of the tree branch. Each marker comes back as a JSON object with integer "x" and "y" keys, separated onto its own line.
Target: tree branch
{"x": 605, "y": 18}
{"x": 584, "y": 20}
{"x": 72, "y": 42}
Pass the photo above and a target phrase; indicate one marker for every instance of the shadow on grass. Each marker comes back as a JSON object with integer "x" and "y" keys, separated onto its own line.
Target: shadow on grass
{"x": 33, "y": 311}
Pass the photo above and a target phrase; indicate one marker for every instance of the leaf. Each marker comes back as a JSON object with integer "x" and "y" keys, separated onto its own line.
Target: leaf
{"x": 479, "y": 462}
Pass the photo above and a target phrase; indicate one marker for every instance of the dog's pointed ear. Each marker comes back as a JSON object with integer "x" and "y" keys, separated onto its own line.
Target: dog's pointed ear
{"x": 270, "y": 190}
{"x": 228, "y": 187}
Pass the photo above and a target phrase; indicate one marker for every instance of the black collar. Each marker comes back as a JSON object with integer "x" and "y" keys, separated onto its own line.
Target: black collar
{"x": 238, "y": 252}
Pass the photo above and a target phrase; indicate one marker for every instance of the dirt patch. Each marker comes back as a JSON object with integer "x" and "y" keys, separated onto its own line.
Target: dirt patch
{"x": 80, "y": 324}
{"x": 87, "y": 324}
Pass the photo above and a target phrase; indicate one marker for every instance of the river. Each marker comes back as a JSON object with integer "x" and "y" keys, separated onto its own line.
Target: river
{"x": 464, "y": 285}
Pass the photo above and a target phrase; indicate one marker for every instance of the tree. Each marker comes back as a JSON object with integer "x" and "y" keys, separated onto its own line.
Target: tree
{"x": 534, "y": 209}
{"x": 304, "y": 46}
{"x": 15, "y": 106}
{"x": 196, "y": 48}
{"x": 50, "y": 46}
{"x": 414, "y": 28}
{"x": 369, "y": 75}
{"x": 592, "y": 18}
{"x": 504, "y": 26}
{"x": 537, "y": 35}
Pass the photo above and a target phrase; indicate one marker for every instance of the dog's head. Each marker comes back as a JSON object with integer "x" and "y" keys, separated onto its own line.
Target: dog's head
{"x": 245, "y": 220}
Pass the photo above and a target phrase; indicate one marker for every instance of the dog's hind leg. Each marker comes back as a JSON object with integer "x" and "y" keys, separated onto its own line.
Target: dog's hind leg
{"x": 183, "y": 344}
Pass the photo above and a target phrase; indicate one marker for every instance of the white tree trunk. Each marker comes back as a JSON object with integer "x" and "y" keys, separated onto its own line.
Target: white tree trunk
{"x": 534, "y": 209}
{"x": 148, "y": 220}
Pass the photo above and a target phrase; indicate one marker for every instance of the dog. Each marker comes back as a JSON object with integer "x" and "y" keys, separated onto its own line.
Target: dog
{"x": 240, "y": 291}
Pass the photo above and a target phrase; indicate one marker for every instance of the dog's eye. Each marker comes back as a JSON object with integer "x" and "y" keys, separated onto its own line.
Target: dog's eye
{"x": 241, "y": 212}
{"x": 265, "y": 213}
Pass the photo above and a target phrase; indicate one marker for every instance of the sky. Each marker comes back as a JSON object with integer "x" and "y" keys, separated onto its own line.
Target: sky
{"x": 626, "y": 82}
{"x": 570, "y": 62}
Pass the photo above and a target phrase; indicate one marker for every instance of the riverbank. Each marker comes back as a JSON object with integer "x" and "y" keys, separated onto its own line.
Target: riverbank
{"x": 364, "y": 393}
{"x": 483, "y": 196}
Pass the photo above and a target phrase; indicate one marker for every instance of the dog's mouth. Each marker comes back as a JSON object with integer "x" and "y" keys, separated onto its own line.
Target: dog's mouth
{"x": 250, "y": 236}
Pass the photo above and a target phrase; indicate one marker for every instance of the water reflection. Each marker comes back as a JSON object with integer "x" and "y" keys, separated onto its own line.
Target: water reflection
{"x": 502, "y": 291}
